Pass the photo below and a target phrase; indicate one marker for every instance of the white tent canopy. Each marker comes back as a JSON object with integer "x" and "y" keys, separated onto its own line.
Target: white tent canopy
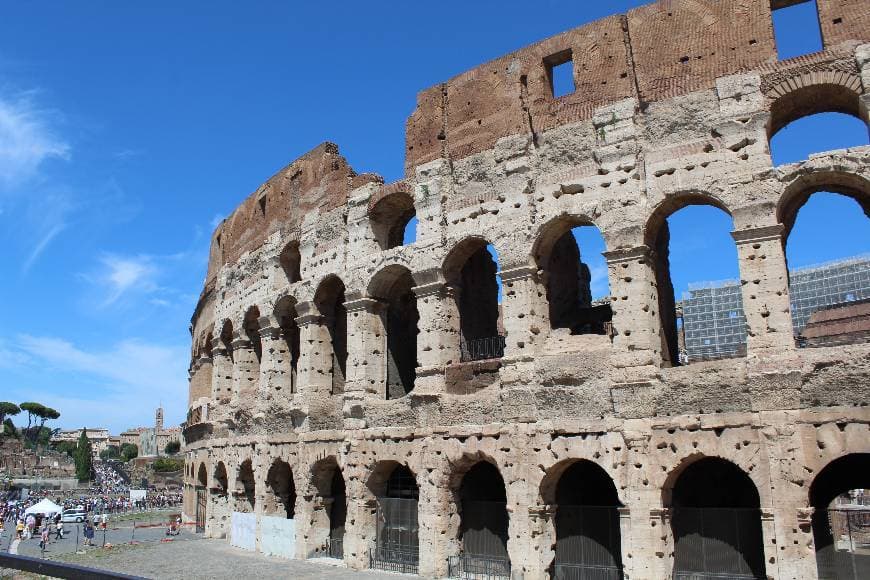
{"x": 46, "y": 506}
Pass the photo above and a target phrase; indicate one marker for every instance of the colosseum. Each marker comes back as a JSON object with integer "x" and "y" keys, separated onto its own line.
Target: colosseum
{"x": 455, "y": 406}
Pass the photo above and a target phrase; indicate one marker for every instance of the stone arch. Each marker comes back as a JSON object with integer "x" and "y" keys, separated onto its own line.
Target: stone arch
{"x": 805, "y": 184}
{"x": 202, "y": 476}
{"x": 811, "y": 93}
{"x": 846, "y": 481}
{"x": 657, "y": 238}
{"x": 396, "y": 526}
{"x": 389, "y": 216}
{"x": 226, "y": 337}
{"x": 588, "y": 538}
{"x": 715, "y": 514}
{"x": 220, "y": 481}
{"x": 329, "y": 301}
{"x": 245, "y": 488}
{"x": 280, "y": 497}
{"x": 393, "y": 287}
{"x": 330, "y": 509}
{"x": 567, "y": 278}
{"x": 472, "y": 273}
{"x": 288, "y": 361}
{"x": 480, "y": 496}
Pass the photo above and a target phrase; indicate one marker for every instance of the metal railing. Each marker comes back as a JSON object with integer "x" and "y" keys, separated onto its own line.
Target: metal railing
{"x": 54, "y": 569}
{"x": 490, "y": 347}
{"x": 565, "y": 571}
{"x": 395, "y": 559}
{"x": 718, "y": 544}
{"x": 474, "y": 567}
{"x": 845, "y": 553}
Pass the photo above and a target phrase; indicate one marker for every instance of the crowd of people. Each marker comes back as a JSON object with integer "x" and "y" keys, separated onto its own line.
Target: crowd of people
{"x": 108, "y": 480}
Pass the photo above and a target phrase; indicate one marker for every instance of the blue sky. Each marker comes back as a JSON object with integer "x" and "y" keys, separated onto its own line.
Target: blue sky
{"x": 128, "y": 130}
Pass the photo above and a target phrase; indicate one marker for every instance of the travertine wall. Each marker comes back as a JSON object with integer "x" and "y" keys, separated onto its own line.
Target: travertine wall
{"x": 675, "y": 104}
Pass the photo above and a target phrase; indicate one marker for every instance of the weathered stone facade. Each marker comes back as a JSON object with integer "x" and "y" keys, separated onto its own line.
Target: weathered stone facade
{"x": 675, "y": 103}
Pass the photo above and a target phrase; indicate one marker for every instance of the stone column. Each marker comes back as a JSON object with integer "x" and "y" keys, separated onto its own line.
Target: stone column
{"x": 542, "y": 520}
{"x": 276, "y": 372}
{"x": 366, "y": 358}
{"x": 764, "y": 278}
{"x": 359, "y": 535}
{"x": 637, "y": 340}
{"x": 438, "y": 338}
{"x": 222, "y": 371}
{"x": 524, "y": 308}
{"x": 439, "y": 522}
{"x": 314, "y": 374}
{"x": 244, "y": 379}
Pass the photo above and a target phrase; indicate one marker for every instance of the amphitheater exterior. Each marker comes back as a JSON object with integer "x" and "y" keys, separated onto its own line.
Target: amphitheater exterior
{"x": 338, "y": 376}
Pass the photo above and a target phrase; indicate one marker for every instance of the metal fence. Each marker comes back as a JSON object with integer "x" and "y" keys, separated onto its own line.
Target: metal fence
{"x": 397, "y": 541}
{"x": 476, "y": 567}
{"x": 482, "y": 348}
{"x": 845, "y": 553}
{"x": 718, "y": 544}
{"x": 200, "y": 510}
{"x": 588, "y": 543}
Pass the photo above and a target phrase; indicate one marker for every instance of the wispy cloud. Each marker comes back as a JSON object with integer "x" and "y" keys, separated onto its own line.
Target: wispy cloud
{"x": 26, "y": 138}
{"x": 121, "y": 275}
{"x": 120, "y": 381}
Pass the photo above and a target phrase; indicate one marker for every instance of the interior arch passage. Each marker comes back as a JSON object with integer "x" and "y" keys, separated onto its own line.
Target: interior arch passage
{"x": 483, "y": 530}
{"x": 393, "y": 286}
{"x": 588, "y": 537}
{"x": 840, "y": 497}
{"x": 716, "y": 523}
{"x": 397, "y": 533}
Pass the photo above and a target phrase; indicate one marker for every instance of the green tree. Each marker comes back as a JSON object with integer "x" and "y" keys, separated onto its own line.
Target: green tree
{"x": 172, "y": 447}
{"x": 83, "y": 457}
{"x": 47, "y": 414}
{"x": 129, "y": 451}
{"x": 9, "y": 429}
{"x": 110, "y": 452}
{"x": 8, "y": 410}
{"x": 167, "y": 464}
{"x": 33, "y": 410}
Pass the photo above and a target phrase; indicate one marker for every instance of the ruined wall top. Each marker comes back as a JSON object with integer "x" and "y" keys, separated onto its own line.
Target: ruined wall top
{"x": 652, "y": 53}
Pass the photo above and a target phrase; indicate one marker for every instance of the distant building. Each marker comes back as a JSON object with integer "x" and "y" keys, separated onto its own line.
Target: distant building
{"x": 839, "y": 324}
{"x": 816, "y": 287}
{"x": 714, "y": 325}
{"x": 98, "y": 437}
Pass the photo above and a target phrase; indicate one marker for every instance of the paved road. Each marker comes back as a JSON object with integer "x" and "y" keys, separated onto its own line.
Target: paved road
{"x": 190, "y": 557}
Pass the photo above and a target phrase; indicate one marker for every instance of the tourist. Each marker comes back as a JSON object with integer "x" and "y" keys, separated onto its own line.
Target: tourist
{"x": 43, "y": 538}
{"x": 59, "y": 531}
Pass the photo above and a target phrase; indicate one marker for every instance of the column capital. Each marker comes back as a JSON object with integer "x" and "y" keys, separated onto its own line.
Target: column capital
{"x": 518, "y": 273}
{"x": 270, "y": 332}
{"x": 434, "y": 289}
{"x": 241, "y": 343}
{"x": 760, "y": 234}
{"x": 621, "y": 255}
{"x": 365, "y": 304}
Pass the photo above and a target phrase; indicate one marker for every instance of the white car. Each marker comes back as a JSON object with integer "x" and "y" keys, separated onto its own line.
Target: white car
{"x": 73, "y": 516}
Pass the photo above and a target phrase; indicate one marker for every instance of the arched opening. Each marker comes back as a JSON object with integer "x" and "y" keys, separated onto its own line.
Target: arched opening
{"x": 397, "y": 532}
{"x": 716, "y": 522}
{"x": 569, "y": 252}
{"x": 829, "y": 271}
{"x": 200, "y": 510}
{"x": 251, "y": 326}
{"x": 691, "y": 240}
{"x": 281, "y": 496}
{"x": 588, "y": 537}
{"x": 394, "y": 287}
{"x": 291, "y": 262}
{"x": 483, "y": 527}
{"x": 328, "y": 520}
{"x": 329, "y": 299}
{"x": 471, "y": 270}
{"x": 817, "y": 133}
{"x": 245, "y": 488}
{"x": 812, "y": 99}
{"x": 225, "y": 365}
{"x": 288, "y": 359}
{"x": 391, "y": 217}
{"x": 840, "y": 497}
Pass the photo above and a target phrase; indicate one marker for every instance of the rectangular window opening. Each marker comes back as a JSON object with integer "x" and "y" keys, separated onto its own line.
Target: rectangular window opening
{"x": 560, "y": 70}
{"x": 796, "y": 27}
